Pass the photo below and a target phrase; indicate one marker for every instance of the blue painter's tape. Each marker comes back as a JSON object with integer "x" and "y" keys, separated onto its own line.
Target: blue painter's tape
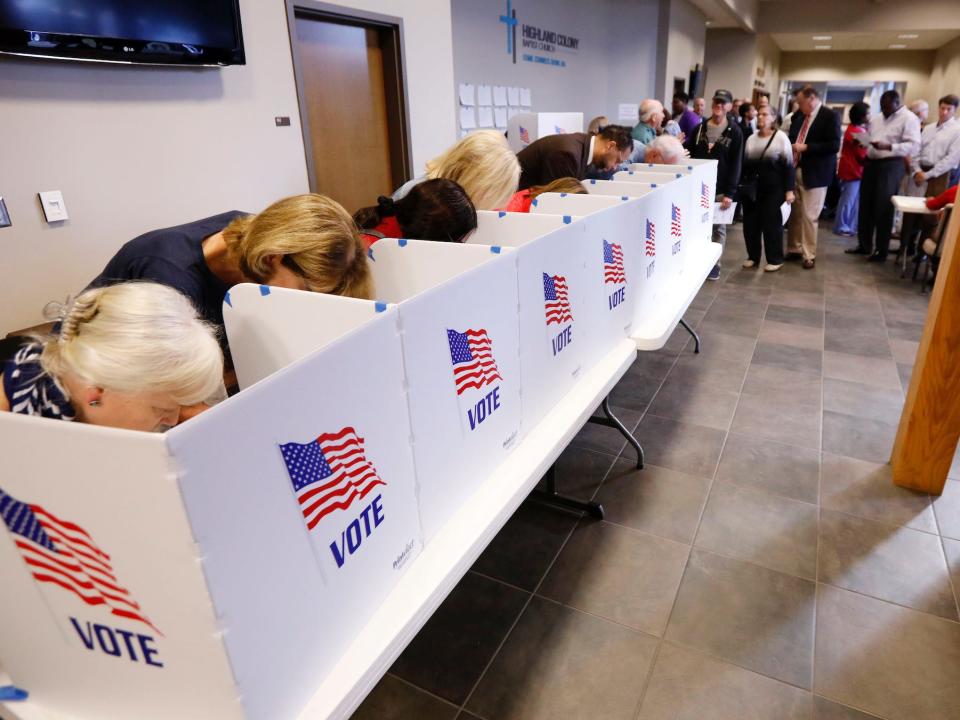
{"x": 401, "y": 242}
{"x": 264, "y": 290}
{"x": 226, "y": 298}
{"x": 623, "y": 197}
{"x": 534, "y": 203}
{"x": 567, "y": 219}
{"x": 593, "y": 182}
{"x": 11, "y": 692}
{"x": 690, "y": 167}
{"x": 563, "y": 194}
{"x": 679, "y": 175}
{"x": 370, "y": 254}
{"x": 495, "y": 249}
{"x": 653, "y": 185}
{"x": 380, "y": 306}
{"x": 502, "y": 213}
{"x": 630, "y": 171}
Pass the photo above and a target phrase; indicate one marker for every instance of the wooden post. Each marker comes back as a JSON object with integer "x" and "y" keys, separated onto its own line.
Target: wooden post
{"x": 930, "y": 424}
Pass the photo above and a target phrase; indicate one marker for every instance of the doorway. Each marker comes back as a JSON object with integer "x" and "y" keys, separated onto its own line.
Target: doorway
{"x": 349, "y": 74}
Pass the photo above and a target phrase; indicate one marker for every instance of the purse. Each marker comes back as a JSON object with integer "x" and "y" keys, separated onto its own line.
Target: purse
{"x": 750, "y": 186}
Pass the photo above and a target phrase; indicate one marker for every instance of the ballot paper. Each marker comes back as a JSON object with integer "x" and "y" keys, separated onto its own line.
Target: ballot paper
{"x": 785, "y": 212}
{"x": 467, "y": 94}
{"x": 500, "y": 95}
{"x": 723, "y": 217}
{"x": 484, "y": 95}
{"x": 467, "y": 118}
{"x": 486, "y": 117}
{"x": 525, "y": 97}
{"x": 500, "y": 116}
{"x": 513, "y": 96}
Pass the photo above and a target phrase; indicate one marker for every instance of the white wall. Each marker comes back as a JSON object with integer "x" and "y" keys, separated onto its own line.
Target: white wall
{"x": 730, "y": 54}
{"x": 945, "y": 78}
{"x": 681, "y": 43}
{"x": 614, "y": 64}
{"x": 137, "y": 148}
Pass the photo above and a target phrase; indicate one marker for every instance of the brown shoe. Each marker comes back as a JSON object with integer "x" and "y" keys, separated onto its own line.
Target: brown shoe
{"x": 808, "y": 264}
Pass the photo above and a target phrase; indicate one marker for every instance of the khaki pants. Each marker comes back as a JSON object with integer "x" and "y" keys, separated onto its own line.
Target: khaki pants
{"x": 805, "y": 219}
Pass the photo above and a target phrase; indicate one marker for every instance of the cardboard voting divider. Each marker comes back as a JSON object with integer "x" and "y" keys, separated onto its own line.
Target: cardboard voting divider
{"x": 559, "y": 307}
{"x": 615, "y": 254}
{"x": 460, "y": 332}
{"x": 702, "y": 191}
{"x": 525, "y": 128}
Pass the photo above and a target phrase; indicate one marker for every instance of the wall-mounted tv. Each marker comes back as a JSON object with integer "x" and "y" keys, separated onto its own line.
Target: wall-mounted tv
{"x": 159, "y": 32}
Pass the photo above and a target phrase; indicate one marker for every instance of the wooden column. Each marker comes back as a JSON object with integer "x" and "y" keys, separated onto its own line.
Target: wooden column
{"x": 930, "y": 424}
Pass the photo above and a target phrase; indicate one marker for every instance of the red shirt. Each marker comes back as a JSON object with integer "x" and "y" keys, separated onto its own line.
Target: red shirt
{"x": 945, "y": 198}
{"x": 852, "y": 155}
{"x": 520, "y": 202}
{"x": 388, "y": 227}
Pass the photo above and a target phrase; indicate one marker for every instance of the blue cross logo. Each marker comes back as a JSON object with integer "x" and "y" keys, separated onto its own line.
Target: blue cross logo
{"x": 510, "y": 21}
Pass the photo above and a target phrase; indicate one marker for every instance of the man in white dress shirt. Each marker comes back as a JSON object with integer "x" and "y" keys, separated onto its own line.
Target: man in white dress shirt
{"x": 893, "y": 136}
{"x": 930, "y": 169}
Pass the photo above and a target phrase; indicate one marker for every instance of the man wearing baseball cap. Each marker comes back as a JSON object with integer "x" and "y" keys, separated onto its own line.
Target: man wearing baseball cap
{"x": 719, "y": 138}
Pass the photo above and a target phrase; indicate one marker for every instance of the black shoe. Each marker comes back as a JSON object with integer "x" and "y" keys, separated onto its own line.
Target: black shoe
{"x": 877, "y": 257}
{"x": 793, "y": 256}
{"x": 856, "y": 251}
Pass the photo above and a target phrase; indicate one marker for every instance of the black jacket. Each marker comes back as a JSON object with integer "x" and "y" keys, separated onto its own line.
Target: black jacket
{"x": 728, "y": 152}
{"x": 553, "y": 157}
{"x": 819, "y": 162}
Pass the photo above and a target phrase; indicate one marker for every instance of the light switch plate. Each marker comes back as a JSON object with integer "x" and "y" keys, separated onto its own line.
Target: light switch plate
{"x": 53, "y": 207}
{"x": 4, "y": 214}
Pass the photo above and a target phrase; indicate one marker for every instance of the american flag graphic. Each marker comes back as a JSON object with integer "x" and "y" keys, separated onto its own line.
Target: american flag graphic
{"x": 556, "y": 300}
{"x": 651, "y": 239}
{"x": 613, "y": 264}
{"x": 63, "y": 554}
{"x": 524, "y": 135}
{"x": 330, "y": 473}
{"x": 675, "y": 229}
{"x": 704, "y": 196}
{"x": 472, "y": 356}
{"x": 558, "y": 130}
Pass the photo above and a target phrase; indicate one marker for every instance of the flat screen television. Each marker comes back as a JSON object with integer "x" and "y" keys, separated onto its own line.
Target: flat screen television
{"x": 160, "y": 32}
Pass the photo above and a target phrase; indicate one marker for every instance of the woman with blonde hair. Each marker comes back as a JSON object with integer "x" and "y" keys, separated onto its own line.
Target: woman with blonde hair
{"x": 133, "y": 356}
{"x": 482, "y": 164}
{"x": 522, "y": 200}
{"x": 304, "y": 242}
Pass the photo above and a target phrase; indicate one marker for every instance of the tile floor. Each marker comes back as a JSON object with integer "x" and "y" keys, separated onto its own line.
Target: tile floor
{"x": 762, "y": 565}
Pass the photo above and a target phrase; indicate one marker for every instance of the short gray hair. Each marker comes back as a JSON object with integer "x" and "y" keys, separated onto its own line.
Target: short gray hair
{"x": 669, "y": 147}
{"x": 648, "y": 107}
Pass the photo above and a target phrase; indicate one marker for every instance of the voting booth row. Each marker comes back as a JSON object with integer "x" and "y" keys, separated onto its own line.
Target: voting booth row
{"x": 271, "y": 557}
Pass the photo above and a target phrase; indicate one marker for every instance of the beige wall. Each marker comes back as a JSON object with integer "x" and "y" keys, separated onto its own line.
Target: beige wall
{"x": 730, "y": 58}
{"x": 767, "y": 57}
{"x": 680, "y": 42}
{"x": 910, "y": 66}
{"x": 139, "y": 148}
{"x": 945, "y": 78}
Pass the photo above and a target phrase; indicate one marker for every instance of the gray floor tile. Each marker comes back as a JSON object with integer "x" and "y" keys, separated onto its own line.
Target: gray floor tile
{"x": 867, "y": 401}
{"x": 619, "y": 574}
{"x": 688, "y": 684}
{"x": 841, "y": 340}
{"x": 952, "y": 550}
{"x": 905, "y": 372}
{"x": 749, "y": 306}
{"x": 699, "y": 403}
{"x": 783, "y": 387}
{"x": 770, "y": 467}
{"x": 756, "y": 618}
{"x": 763, "y": 417}
{"x": 789, "y": 358}
{"x": 799, "y": 336}
{"x": 824, "y": 709}
{"x": 732, "y": 324}
{"x": 947, "y": 509}
{"x": 635, "y": 391}
{"x": 603, "y": 439}
{"x": 688, "y": 448}
{"x": 775, "y": 532}
{"x": 885, "y": 659}
{"x": 858, "y": 437}
{"x": 891, "y": 563}
{"x": 523, "y": 550}
{"x": 881, "y": 372}
{"x": 811, "y": 317}
{"x": 794, "y": 299}
{"x": 904, "y": 329}
{"x": 655, "y": 500}
{"x": 904, "y": 351}
{"x": 393, "y": 699}
{"x": 866, "y": 489}
{"x": 549, "y": 668}
{"x": 448, "y": 655}
{"x": 704, "y": 371}
{"x": 868, "y": 322}
{"x": 716, "y": 346}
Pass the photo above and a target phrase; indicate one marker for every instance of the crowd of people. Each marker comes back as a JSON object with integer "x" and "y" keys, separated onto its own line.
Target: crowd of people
{"x": 142, "y": 346}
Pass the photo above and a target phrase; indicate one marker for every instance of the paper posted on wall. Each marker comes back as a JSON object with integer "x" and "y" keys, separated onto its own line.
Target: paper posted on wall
{"x": 484, "y": 95}
{"x": 467, "y": 94}
{"x": 467, "y": 118}
{"x": 723, "y": 217}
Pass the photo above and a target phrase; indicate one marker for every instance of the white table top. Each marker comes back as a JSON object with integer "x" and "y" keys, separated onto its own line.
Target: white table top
{"x": 910, "y": 204}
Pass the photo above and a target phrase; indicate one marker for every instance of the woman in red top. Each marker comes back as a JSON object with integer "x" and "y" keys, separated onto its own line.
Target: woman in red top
{"x": 521, "y": 201}
{"x": 853, "y": 155}
{"x": 433, "y": 210}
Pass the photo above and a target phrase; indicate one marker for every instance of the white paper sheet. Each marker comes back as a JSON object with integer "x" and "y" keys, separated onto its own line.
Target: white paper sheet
{"x": 785, "y": 212}
{"x": 500, "y": 95}
{"x": 525, "y": 97}
{"x": 467, "y": 118}
{"x": 500, "y": 116}
{"x": 513, "y": 95}
{"x": 511, "y": 111}
{"x": 484, "y": 95}
{"x": 486, "y": 117}
{"x": 467, "y": 94}
{"x": 723, "y": 217}
{"x": 628, "y": 112}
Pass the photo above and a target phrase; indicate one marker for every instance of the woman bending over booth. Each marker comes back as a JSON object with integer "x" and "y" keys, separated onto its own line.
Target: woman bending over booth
{"x": 132, "y": 356}
{"x": 432, "y": 210}
{"x": 522, "y": 200}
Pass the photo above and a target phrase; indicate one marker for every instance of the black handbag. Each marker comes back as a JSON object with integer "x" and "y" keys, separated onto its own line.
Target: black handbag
{"x": 750, "y": 186}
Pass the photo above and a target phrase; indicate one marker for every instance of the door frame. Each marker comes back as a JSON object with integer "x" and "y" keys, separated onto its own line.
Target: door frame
{"x": 395, "y": 66}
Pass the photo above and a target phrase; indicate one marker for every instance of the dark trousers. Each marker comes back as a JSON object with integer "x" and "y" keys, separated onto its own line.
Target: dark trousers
{"x": 881, "y": 178}
{"x": 763, "y": 227}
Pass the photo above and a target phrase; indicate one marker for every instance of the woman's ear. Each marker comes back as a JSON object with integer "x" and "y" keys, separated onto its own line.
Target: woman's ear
{"x": 91, "y": 396}
{"x": 273, "y": 261}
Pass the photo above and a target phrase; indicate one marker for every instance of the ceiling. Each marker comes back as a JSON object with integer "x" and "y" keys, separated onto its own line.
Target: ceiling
{"x": 925, "y": 40}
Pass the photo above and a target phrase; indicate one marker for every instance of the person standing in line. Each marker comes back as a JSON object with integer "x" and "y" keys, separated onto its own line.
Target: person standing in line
{"x": 651, "y": 119}
{"x": 748, "y": 119}
{"x": 699, "y": 108}
{"x": 768, "y": 182}
{"x": 815, "y": 136}
{"x": 893, "y": 136}
{"x": 719, "y": 138}
{"x": 686, "y": 118}
{"x": 853, "y": 155}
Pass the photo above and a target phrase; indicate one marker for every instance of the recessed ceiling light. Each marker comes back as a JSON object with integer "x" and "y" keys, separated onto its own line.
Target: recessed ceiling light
{"x": 823, "y": 37}
{"x": 897, "y": 47}
{"x": 908, "y": 36}
{"x": 822, "y": 47}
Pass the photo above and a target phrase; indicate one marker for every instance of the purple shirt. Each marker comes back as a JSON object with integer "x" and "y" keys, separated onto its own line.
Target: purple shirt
{"x": 688, "y": 121}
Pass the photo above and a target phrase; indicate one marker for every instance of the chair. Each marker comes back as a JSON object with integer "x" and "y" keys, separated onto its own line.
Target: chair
{"x": 939, "y": 234}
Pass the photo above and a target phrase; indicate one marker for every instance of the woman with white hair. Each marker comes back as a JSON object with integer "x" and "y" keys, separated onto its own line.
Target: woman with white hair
{"x": 665, "y": 150}
{"x": 133, "y": 356}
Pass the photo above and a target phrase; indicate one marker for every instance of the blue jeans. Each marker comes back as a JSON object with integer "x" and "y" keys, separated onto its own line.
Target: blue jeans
{"x": 848, "y": 207}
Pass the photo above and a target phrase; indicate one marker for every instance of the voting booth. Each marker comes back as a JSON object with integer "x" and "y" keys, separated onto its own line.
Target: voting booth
{"x": 525, "y": 128}
{"x": 219, "y": 569}
{"x": 703, "y": 189}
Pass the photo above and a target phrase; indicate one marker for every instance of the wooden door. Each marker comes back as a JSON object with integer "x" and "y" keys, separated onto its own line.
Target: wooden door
{"x": 341, "y": 71}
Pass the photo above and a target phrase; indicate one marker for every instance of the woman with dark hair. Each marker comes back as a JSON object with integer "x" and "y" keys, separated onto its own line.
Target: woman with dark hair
{"x": 432, "y": 210}
{"x": 853, "y": 155}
